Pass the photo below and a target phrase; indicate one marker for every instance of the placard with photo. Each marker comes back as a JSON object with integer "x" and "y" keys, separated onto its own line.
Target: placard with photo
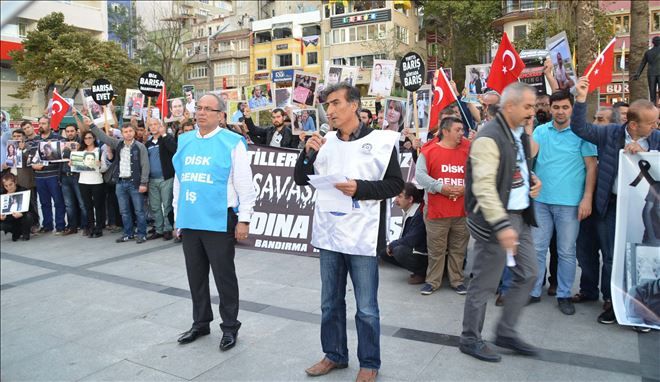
{"x": 283, "y": 97}
{"x": 15, "y": 202}
{"x": 304, "y": 121}
{"x": 395, "y": 117}
{"x": 50, "y": 151}
{"x": 382, "y": 78}
{"x": 189, "y": 95}
{"x": 85, "y": 161}
{"x": 14, "y": 157}
{"x": 476, "y": 78}
{"x": 562, "y": 60}
{"x": 67, "y": 148}
{"x": 175, "y": 109}
{"x": 229, "y": 94}
{"x": 338, "y": 73}
{"x": 259, "y": 96}
{"x": 235, "y": 111}
{"x": 94, "y": 110}
{"x": 133, "y": 103}
{"x": 423, "y": 109}
{"x": 370, "y": 104}
{"x": 304, "y": 88}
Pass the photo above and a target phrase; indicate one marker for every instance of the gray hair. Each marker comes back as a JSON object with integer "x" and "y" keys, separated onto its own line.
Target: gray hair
{"x": 514, "y": 93}
{"x": 221, "y": 104}
{"x": 613, "y": 117}
{"x": 352, "y": 93}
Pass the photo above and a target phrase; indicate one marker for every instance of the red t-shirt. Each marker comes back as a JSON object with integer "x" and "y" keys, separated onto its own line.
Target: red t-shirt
{"x": 447, "y": 165}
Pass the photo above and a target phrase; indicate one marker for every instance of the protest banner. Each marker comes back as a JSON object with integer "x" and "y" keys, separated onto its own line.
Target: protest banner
{"x": 102, "y": 91}
{"x": 282, "y": 221}
{"x": 411, "y": 71}
{"x": 14, "y": 202}
{"x": 151, "y": 83}
{"x": 382, "y": 78}
{"x": 562, "y": 61}
{"x": 635, "y": 280}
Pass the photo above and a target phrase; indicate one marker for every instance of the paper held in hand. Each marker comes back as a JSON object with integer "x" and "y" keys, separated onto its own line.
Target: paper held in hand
{"x": 329, "y": 198}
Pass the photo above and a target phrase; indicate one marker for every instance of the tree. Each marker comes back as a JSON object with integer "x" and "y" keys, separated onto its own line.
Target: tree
{"x": 464, "y": 26}
{"x": 639, "y": 27}
{"x": 56, "y": 54}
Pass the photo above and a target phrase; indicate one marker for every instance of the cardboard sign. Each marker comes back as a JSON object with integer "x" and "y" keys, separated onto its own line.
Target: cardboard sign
{"x": 102, "y": 91}
{"x": 151, "y": 83}
{"x": 411, "y": 70}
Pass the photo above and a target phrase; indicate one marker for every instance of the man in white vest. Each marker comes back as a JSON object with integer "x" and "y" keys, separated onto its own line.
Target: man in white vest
{"x": 213, "y": 200}
{"x": 349, "y": 241}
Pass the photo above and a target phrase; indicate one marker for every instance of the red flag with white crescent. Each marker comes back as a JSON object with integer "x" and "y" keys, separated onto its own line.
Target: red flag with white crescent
{"x": 506, "y": 67}
{"x": 600, "y": 71}
{"x": 59, "y": 109}
{"x": 161, "y": 103}
{"x": 443, "y": 96}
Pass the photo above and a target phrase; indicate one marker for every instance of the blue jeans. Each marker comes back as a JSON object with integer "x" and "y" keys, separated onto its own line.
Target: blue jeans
{"x": 128, "y": 194}
{"x": 605, "y": 227}
{"x": 49, "y": 191}
{"x": 565, "y": 220}
{"x": 364, "y": 275}
{"x": 74, "y": 203}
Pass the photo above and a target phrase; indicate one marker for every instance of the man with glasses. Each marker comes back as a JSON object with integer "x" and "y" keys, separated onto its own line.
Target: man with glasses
{"x": 213, "y": 202}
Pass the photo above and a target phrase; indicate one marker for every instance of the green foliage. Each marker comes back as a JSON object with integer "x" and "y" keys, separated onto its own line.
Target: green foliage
{"x": 464, "y": 30}
{"x": 58, "y": 55}
{"x": 16, "y": 112}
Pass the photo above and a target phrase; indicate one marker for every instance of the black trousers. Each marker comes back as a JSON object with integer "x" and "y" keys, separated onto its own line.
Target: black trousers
{"x": 403, "y": 257}
{"x": 654, "y": 84}
{"x": 18, "y": 227}
{"x": 94, "y": 197}
{"x": 214, "y": 250}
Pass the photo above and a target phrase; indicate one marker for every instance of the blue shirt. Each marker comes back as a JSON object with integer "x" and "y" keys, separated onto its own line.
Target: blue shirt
{"x": 309, "y": 125}
{"x": 519, "y": 195}
{"x": 560, "y": 164}
{"x": 155, "y": 168}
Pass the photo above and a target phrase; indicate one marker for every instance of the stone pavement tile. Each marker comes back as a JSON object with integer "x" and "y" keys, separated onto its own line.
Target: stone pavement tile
{"x": 254, "y": 289}
{"x": 84, "y": 321}
{"x": 139, "y": 269}
{"x": 11, "y": 271}
{"x": 129, "y": 337}
{"x": 68, "y": 362}
{"x": 23, "y": 343}
{"x": 289, "y": 297}
{"x": 177, "y": 315}
{"x": 129, "y": 371}
{"x": 403, "y": 359}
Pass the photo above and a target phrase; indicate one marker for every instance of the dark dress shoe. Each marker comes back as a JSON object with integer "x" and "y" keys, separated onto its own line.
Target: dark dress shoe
{"x": 228, "y": 341}
{"x": 154, "y": 236}
{"x": 480, "y": 350}
{"x": 192, "y": 335}
{"x": 167, "y": 235}
{"x": 516, "y": 345}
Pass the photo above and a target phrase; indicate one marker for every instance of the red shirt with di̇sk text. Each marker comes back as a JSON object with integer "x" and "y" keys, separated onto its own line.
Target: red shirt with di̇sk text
{"x": 448, "y": 165}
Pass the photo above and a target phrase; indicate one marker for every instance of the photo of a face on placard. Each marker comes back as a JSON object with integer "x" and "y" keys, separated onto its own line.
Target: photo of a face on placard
{"x": 423, "y": 108}
{"x": 259, "y": 96}
{"x": 304, "y": 121}
{"x": 133, "y": 103}
{"x": 382, "y": 78}
{"x": 283, "y": 97}
{"x": 395, "y": 114}
{"x": 304, "y": 88}
{"x": 338, "y": 73}
{"x": 14, "y": 202}
{"x": 94, "y": 110}
{"x": 50, "y": 151}
{"x": 84, "y": 161}
{"x": 562, "y": 61}
{"x": 189, "y": 96}
{"x": 235, "y": 110}
{"x": 14, "y": 157}
{"x": 175, "y": 109}
{"x": 229, "y": 94}
{"x": 476, "y": 78}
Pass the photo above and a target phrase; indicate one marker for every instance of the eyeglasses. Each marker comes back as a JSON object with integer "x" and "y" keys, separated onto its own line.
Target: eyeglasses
{"x": 206, "y": 109}
{"x": 89, "y": 137}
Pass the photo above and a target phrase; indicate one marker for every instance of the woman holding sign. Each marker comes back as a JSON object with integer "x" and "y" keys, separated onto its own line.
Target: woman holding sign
{"x": 92, "y": 188}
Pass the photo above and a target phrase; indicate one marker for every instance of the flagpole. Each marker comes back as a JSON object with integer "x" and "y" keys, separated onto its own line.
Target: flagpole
{"x": 622, "y": 65}
{"x": 105, "y": 119}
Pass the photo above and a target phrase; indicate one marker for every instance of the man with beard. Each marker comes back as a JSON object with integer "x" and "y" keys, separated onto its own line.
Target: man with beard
{"x": 542, "y": 110}
{"x": 277, "y": 135}
{"x": 76, "y": 213}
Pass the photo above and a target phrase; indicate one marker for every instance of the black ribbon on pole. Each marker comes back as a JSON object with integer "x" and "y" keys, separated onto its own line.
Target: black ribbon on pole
{"x": 644, "y": 167}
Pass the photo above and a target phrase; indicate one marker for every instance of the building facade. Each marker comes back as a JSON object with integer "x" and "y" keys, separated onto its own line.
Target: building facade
{"x": 89, "y": 16}
{"x": 357, "y": 32}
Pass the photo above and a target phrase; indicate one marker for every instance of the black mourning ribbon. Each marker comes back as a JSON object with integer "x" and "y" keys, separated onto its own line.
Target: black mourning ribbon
{"x": 644, "y": 167}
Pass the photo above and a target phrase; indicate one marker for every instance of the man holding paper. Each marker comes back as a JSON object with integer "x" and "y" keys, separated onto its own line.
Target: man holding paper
{"x": 349, "y": 224}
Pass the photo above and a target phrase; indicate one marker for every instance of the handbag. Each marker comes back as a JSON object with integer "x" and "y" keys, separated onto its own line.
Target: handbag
{"x": 108, "y": 175}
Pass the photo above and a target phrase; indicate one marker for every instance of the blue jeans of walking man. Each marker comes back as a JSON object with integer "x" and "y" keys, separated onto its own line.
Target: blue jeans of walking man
{"x": 128, "y": 194}
{"x": 565, "y": 220}
{"x": 335, "y": 267}
{"x": 50, "y": 192}
{"x": 76, "y": 212}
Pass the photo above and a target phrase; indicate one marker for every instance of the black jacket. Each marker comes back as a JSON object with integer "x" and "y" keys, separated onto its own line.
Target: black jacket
{"x": 166, "y": 149}
{"x": 263, "y": 135}
{"x": 389, "y": 187}
{"x": 414, "y": 232}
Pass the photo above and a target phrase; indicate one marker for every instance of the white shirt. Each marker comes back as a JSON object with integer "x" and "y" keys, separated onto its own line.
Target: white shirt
{"x": 239, "y": 182}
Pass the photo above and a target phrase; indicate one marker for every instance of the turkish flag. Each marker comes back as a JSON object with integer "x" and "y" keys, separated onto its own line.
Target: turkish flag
{"x": 59, "y": 109}
{"x": 506, "y": 66}
{"x": 161, "y": 103}
{"x": 443, "y": 96}
{"x": 600, "y": 71}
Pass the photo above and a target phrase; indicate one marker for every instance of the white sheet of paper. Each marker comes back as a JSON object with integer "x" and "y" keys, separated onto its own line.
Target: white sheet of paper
{"x": 330, "y": 199}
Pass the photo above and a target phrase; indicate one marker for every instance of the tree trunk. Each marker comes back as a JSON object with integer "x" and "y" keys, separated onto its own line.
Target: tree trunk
{"x": 639, "y": 27}
{"x": 586, "y": 44}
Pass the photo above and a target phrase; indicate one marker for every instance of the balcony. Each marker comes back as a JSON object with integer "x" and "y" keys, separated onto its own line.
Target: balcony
{"x": 515, "y": 6}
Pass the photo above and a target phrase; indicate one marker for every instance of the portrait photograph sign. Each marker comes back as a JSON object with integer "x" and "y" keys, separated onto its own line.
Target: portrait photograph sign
{"x": 175, "y": 109}
{"x": 190, "y": 97}
{"x": 235, "y": 111}
{"x": 424, "y": 96}
{"x": 562, "y": 60}
{"x": 133, "y": 103}
{"x": 304, "y": 121}
{"x": 382, "y": 78}
{"x": 259, "y": 96}
{"x": 14, "y": 157}
{"x": 395, "y": 114}
{"x": 476, "y": 77}
{"x": 15, "y": 202}
{"x": 304, "y": 88}
{"x": 82, "y": 161}
{"x": 283, "y": 97}
{"x": 94, "y": 110}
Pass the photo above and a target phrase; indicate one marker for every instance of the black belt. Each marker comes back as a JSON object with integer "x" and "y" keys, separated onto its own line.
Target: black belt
{"x": 517, "y": 212}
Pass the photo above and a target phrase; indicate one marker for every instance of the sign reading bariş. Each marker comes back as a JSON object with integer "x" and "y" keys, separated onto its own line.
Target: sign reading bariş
{"x": 411, "y": 70}
{"x": 102, "y": 91}
{"x": 151, "y": 83}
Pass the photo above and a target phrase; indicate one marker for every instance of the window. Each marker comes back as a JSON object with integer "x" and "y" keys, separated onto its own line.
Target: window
{"x": 338, "y": 36}
{"x": 362, "y": 33}
{"x": 527, "y": 5}
{"x": 224, "y": 46}
{"x": 402, "y": 34}
{"x": 367, "y": 5}
{"x": 262, "y": 37}
{"x": 243, "y": 45}
{"x": 283, "y": 60}
{"x": 225, "y": 68}
{"x": 617, "y": 62}
{"x": 519, "y": 32}
{"x": 312, "y": 30}
{"x": 210, "y": 31}
{"x": 189, "y": 52}
{"x": 352, "y": 34}
{"x": 622, "y": 24}
{"x": 655, "y": 21}
{"x": 364, "y": 61}
{"x": 326, "y": 11}
{"x": 372, "y": 34}
{"x": 312, "y": 58}
{"x": 512, "y": 6}
{"x": 339, "y": 8}
{"x": 243, "y": 67}
{"x": 401, "y": 7}
{"x": 199, "y": 71}
{"x": 282, "y": 32}
{"x": 338, "y": 61}
{"x": 22, "y": 29}
{"x": 261, "y": 64}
